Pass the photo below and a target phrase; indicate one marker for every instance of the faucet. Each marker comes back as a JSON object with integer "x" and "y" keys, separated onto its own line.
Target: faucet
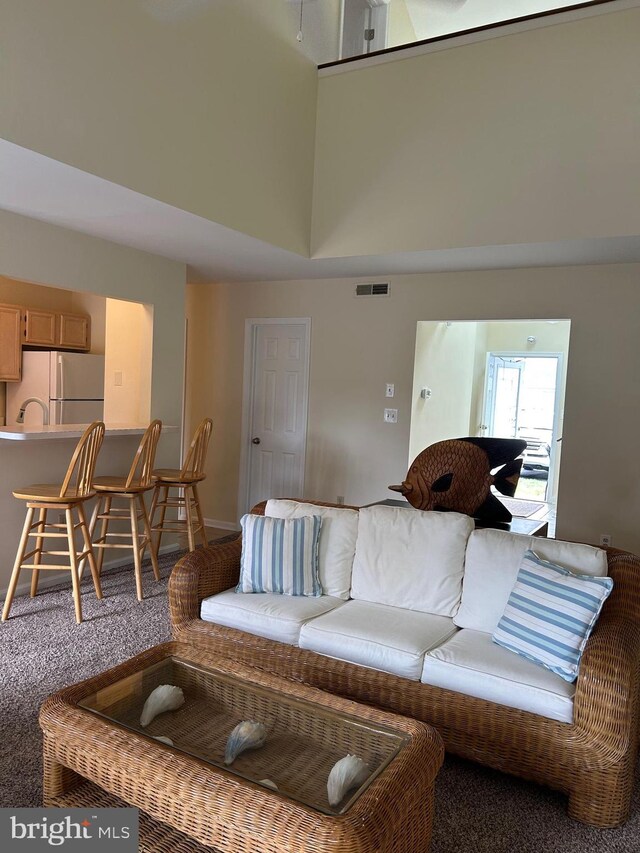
{"x": 45, "y": 410}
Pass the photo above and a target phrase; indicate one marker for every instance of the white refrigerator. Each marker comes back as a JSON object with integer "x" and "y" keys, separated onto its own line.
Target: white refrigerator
{"x": 70, "y": 384}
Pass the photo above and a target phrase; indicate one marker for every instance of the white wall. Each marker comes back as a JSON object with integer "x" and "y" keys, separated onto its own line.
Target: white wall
{"x": 444, "y": 363}
{"x": 35, "y": 251}
{"x": 129, "y": 349}
{"x": 357, "y": 345}
{"x": 525, "y": 138}
{"x": 208, "y": 106}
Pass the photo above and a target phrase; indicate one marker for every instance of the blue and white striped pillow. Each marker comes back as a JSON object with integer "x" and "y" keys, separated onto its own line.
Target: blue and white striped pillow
{"x": 280, "y": 555}
{"x": 550, "y": 614}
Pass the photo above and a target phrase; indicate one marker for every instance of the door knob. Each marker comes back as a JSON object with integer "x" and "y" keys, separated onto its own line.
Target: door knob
{"x": 255, "y": 441}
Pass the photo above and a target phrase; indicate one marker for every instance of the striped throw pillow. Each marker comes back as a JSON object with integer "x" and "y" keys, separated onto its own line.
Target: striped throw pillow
{"x": 280, "y": 555}
{"x": 550, "y": 614}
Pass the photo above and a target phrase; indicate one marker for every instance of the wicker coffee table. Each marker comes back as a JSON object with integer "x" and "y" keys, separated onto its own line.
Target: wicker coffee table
{"x": 96, "y": 754}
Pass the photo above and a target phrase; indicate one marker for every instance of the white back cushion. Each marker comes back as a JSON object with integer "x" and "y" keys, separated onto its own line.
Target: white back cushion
{"x": 491, "y": 568}
{"x": 410, "y": 558}
{"x": 337, "y": 541}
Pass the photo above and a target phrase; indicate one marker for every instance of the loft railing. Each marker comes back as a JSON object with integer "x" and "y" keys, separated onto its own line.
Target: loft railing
{"x": 376, "y": 27}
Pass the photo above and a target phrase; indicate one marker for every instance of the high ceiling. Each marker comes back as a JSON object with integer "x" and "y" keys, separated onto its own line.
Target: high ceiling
{"x": 41, "y": 188}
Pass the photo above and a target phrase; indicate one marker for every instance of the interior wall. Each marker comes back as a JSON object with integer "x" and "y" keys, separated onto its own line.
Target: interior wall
{"x": 36, "y": 251}
{"x": 129, "y": 339}
{"x": 209, "y": 106}
{"x": 401, "y": 29}
{"x": 444, "y": 363}
{"x": 505, "y": 141}
{"x": 358, "y": 345}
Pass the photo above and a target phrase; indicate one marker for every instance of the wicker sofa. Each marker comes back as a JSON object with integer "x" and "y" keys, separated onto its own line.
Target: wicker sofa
{"x": 586, "y": 745}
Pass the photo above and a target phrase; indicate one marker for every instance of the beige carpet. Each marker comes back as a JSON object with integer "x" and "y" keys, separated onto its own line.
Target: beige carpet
{"x": 477, "y": 810}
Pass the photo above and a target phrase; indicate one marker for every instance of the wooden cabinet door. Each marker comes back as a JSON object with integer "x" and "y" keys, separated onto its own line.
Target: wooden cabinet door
{"x": 74, "y": 331}
{"x": 39, "y": 327}
{"x": 10, "y": 343}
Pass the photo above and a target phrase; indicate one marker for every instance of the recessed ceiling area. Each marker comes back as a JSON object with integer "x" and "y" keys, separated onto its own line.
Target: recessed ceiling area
{"x": 42, "y": 188}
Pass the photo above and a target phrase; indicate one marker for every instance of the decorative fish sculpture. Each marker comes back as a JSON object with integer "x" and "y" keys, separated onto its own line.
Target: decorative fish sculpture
{"x": 349, "y": 772}
{"x": 247, "y": 735}
{"x": 456, "y": 475}
{"x": 166, "y": 697}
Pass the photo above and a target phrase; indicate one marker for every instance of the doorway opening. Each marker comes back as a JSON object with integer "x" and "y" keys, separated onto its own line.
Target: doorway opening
{"x": 521, "y": 401}
{"x": 495, "y": 378}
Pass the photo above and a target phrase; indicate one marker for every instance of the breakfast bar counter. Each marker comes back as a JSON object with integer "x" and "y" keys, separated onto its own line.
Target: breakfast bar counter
{"x": 58, "y": 431}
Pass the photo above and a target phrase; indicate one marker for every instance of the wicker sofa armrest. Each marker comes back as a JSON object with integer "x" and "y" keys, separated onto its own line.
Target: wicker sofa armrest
{"x": 199, "y": 574}
{"x": 606, "y": 704}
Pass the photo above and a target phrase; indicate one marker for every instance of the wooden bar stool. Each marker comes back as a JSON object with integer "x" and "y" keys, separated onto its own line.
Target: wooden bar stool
{"x": 71, "y": 495}
{"x": 185, "y": 480}
{"x": 129, "y": 489}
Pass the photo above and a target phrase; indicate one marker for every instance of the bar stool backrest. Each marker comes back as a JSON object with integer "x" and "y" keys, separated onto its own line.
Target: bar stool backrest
{"x": 83, "y": 462}
{"x": 194, "y": 463}
{"x": 142, "y": 465}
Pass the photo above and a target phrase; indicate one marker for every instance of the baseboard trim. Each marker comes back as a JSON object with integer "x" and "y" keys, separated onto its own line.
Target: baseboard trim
{"x": 222, "y": 525}
{"x": 54, "y": 578}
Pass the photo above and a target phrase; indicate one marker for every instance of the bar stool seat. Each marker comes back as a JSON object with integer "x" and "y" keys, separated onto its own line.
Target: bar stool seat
{"x": 185, "y": 481}
{"x": 130, "y": 490}
{"x": 50, "y": 493}
{"x": 68, "y": 497}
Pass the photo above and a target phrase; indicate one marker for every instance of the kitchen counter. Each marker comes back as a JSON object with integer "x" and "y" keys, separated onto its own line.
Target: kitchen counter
{"x": 58, "y": 431}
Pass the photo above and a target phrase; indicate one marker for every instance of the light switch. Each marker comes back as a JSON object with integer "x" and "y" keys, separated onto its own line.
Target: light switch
{"x": 391, "y": 389}
{"x": 117, "y": 377}
{"x": 391, "y": 416}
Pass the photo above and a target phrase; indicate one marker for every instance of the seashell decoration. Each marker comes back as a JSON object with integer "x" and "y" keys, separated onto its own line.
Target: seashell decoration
{"x": 166, "y": 697}
{"x": 347, "y": 773}
{"x": 164, "y": 739}
{"x": 247, "y": 735}
{"x": 268, "y": 784}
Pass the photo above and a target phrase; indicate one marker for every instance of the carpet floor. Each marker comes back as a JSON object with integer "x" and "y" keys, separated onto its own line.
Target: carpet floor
{"x": 477, "y": 810}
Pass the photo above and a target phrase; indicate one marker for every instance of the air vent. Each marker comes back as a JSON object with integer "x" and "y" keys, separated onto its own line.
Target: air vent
{"x": 381, "y": 289}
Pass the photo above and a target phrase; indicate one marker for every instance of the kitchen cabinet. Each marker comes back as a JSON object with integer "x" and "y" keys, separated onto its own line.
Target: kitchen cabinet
{"x": 10, "y": 343}
{"x": 56, "y": 330}
{"x": 39, "y": 327}
{"x": 74, "y": 331}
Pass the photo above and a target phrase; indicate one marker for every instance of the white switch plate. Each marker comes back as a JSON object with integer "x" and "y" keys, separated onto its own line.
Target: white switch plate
{"x": 391, "y": 389}
{"x": 391, "y": 416}
{"x": 117, "y": 377}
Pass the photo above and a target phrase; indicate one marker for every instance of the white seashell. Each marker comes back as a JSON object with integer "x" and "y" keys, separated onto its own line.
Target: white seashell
{"x": 347, "y": 773}
{"x": 164, "y": 739}
{"x": 247, "y": 735}
{"x": 268, "y": 784}
{"x": 163, "y": 698}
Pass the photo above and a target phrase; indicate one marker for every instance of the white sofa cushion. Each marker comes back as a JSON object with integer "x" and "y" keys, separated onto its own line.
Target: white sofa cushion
{"x": 470, "y": 662}
{"x": 410, "y": 559}
{"x": 267, "y": 614}
{"x": 491, "y": 567}
{"x": 337, "y": 541}
{"x": 377, "y": 636}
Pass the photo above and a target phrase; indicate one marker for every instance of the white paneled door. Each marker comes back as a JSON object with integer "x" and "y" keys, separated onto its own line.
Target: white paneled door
{"x": 278, "y": 410}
